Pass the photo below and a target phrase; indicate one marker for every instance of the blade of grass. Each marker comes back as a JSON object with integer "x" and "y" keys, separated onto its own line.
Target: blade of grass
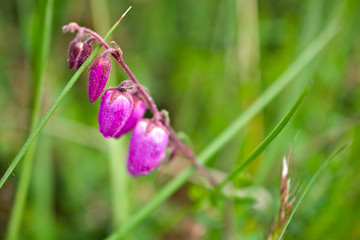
{"x": 119, "y": 181}
{"x": 311, "y": 182}
{"x": 269, "y": 138}
{"x": 52, "y": 109}
{"x": 313, "y": 23}
{"x": 279, "y": 84}
{"x": 249, "y": 73}
{"x": 40, "y": 60}
{"x": 42, "y": 191}
{"x": 299, "y": 64}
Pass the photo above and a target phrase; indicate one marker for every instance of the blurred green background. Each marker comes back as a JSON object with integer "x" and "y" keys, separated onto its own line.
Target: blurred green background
{"x": 205, "y": 62}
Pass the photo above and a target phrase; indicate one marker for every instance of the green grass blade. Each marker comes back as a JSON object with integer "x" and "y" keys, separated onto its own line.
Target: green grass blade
{"x": 311, "y": 182}
{"x": 42, "y": 190}
{"x": 293, "y": 70}
{"x": 269, "y": 138}
{"x": 40, "y": 60}
{"x": 280, "y": 83}
{"x": 52, "y": 109}
{"x": 119, "y": 181}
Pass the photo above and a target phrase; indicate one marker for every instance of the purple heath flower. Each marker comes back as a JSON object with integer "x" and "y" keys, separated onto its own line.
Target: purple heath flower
{"x": 99, "y": 74}
{"x": 84, "y": 54}
{"x": 115, "y": 109}
{"x": 147, "y": 147}
{"x": 74, "y": 52}
{"x": 137, "y": 113}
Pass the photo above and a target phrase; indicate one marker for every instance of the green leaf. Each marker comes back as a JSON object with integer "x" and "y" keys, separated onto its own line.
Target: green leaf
{"x": 269, "y": 138}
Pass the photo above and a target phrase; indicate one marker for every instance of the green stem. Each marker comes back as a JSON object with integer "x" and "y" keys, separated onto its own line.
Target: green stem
{"x": 293, "y": 70}
{"x": 119, "y": 181}
{"x": 52, "y": 109}
{"x": 42, "y": 189}
{"x": 25, "y": 176}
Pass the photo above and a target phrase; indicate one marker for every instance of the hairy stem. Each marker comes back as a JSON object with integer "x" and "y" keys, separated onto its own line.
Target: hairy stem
{"x": 117, "y": 54}
{"x": 150, "y": 102}
{"x": 189, "y": 154}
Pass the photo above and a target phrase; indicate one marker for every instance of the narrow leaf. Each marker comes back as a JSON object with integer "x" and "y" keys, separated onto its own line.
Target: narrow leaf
{"x": 269, "y": 138}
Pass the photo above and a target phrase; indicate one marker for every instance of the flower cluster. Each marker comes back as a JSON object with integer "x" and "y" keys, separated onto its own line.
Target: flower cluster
{"x": 122, "y": 108}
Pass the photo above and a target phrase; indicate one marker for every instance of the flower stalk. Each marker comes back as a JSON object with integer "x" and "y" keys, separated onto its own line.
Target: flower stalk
{"x": 158, "y": 116}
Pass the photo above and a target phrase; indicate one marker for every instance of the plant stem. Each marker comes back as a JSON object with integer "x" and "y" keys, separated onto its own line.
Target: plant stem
{"x": 189, "y": 154}
{"x": 150, "y": 102}
{"x": 119, "y": 181}
{"x": 118, "y": 57}
{"x": 42, "y": 191}
{"x": 74, "y": 26}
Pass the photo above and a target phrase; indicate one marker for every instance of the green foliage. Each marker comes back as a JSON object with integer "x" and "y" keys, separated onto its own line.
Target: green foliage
{"x": 227, "y": 72}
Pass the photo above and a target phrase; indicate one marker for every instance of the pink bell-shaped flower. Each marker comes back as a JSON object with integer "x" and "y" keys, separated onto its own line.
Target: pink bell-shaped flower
{"x": 99, "y": 74}
{"x": 115, "y": 109}
{"x": 147, "y": 147}
{"x": 137, "y": 113}
{"x": 74, "y": 52}
{"x": 84, "y": 54}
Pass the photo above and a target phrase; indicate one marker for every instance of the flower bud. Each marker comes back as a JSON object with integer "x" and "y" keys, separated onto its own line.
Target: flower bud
{"x": 85, "y": 52}
{"x": 99, "y": 74}
{"x": 137, "y": 113}
{"x": 74, "y": 52}
{"x": 115, "y": 109}
{"x": 147, "y": 147}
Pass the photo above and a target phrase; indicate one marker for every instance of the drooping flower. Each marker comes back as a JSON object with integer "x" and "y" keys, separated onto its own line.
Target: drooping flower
{"x": 74, "y": 52}
{"x": 137, "y": 113}
{"x": 147, "y": 147}
{"x": 84, "y": 54}
{"x": 99, "y": 74}
{"x": 115, "y": 109}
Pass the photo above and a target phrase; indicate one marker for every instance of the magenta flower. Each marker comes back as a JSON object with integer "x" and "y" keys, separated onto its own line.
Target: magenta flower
{"x": 84, "y": 54}
{"x": 115, "y": 109}
{"x": 99, "y": 74}
{"x": 137, "y": 113}
{"x": 147, "y": 147}
{"x": 74, "y": 52}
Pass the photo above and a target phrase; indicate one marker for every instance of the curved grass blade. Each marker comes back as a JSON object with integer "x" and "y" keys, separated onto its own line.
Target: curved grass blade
{"x": 52, "y": 108}
{"x": 311, "y": 182}
{"x": 269, "y": 138}
{"x": 280, "y": 83}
